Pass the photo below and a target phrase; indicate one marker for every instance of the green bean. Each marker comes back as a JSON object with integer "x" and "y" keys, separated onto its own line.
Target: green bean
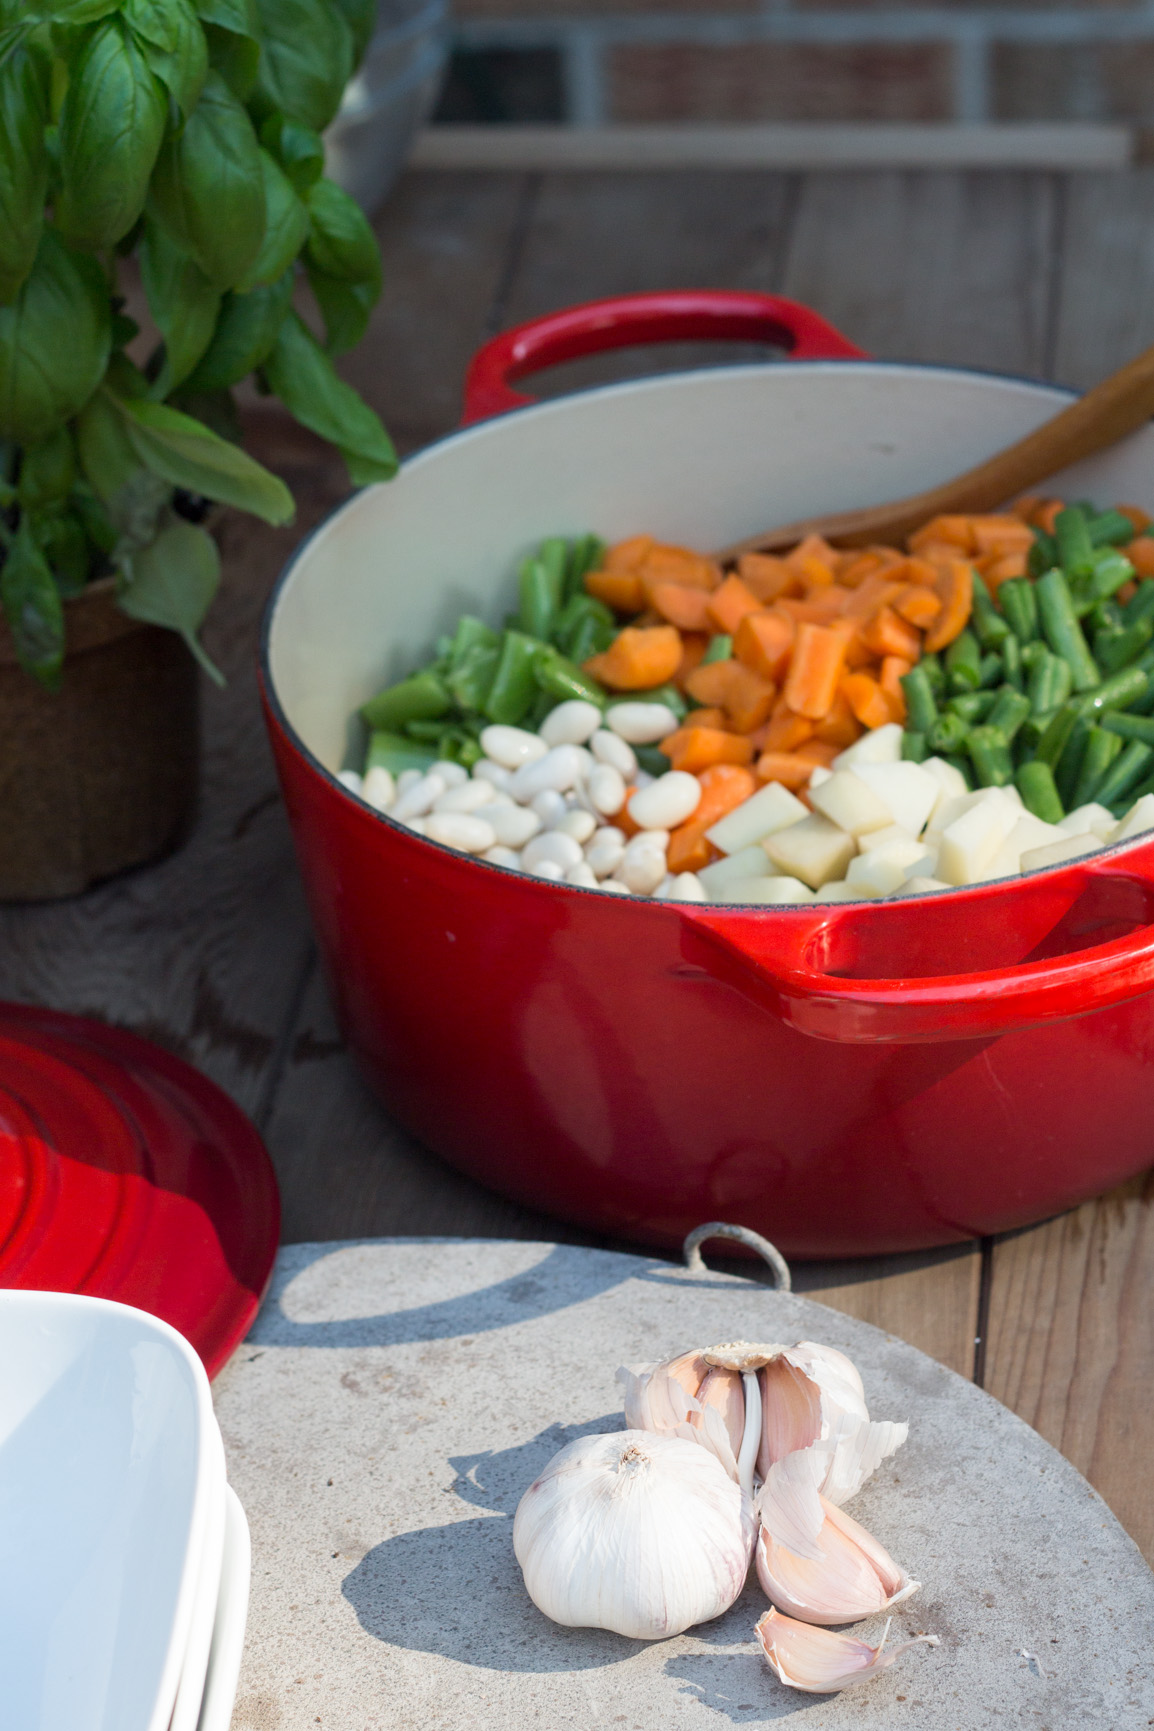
{"x": 470, "y": 679}
{"x": 652, "y": 759}
{"x": 426, "y": 731}
{"x": 1020, "y": 605}
{"x": 1040, "y": 687}
{"x": 964, "y": 663}
{"x": 539, "y": 596}
{"x": 392, "y": 751}
{"x": 931, "y": 666}
{"x": 1104, "y": 616}
{"x": 562, "y": 679}
{"x": 1110, "y": 526}
{"x": 1010, "y": 710}
{"x": 585, "y": 627}
{"x": 1128, "y": 726}
{"x": 417, "y": 698}
{"x": 972, "y": 706}
{"x": 1075, "y": 550}
{"x": 1069, "y": 765}
{"x": 1062, "y": 631}
{"x": 947, "y": 734}
{"x": 990, "y": 756}
{"x": 666, "y": 694}
{"x": 1035, "y": 783}
{"x": 991, "y": 628}
{"x": 962, "y": 766}
{"x": 914, "y": 747}
{"x": 1112, "y": 571}
{"x": 719, "y": 648}
{"x": 1032, "y": 653}
{"x": 1012, "y": 662}
{"x": 1120, "y": 648}
{"x": 585, "y": 554}
{"x": 514, "y": 684}
{"x": 991, "y": 670}
{"x": 1141, "y": 603}
{"x": 1043, "y": 555}
{"x": 471, "y": 633}
{"x": 921, "y": 708}
{"x": 1127, "y": 770}
{"x": 1054, "y": 741}
{"x": 1117, "y": 692}
{"x": 1101, "y": 750}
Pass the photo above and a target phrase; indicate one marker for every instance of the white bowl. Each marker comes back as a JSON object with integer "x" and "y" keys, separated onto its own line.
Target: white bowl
{"x": 190, "y": 1693}
{"x": 107, "y": 1449}
{"x": 231, "y": 1617}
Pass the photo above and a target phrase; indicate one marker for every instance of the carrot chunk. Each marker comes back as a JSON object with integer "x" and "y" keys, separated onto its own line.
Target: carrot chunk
{"x": 712, "y": 682}
{"x": 784, "y": 766}
{"x": 723, "y": 786}
{"x": 818, "y": 661}
{"x": 918, "y": 606}
{"x": 709, "y": 716}
{"x": 816, "y": 751}
{"x": 697, "y": 748}
{"x": 1001, "y": 534}
{"x": 680, "y": 604}
{"x": 956, "y": 591}
{"x": 638, "y": 659}
{"x": 767, "y": 576}
{"x": 956, "y": 531}
{"x": 629, "y": 555}
{"x": 997, "y": 567}
{"x": 893, "y": 669}
{"x": 763, "y": 641}
{"x": 867, "y": 699}
{"x": 693, "y": 647}
{"x": 665, "y": 564}
{"x": 1140, "y": 553}
{"x": 620, "y": 590}
{"x": 787, "y": 731}
{"x": 840, "y": 727}
{"x": 1137, "y": 516}
{"x": 886, "y": 634}
{"x": 729, "y": 605}
{"x": 750, "y": 698}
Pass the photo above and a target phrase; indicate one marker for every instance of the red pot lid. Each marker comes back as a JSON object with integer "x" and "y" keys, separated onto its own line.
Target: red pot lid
{"x": 126, "y": 1174}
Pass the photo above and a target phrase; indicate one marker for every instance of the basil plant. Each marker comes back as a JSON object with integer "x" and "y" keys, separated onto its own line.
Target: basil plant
{"x": 184, "y": 134}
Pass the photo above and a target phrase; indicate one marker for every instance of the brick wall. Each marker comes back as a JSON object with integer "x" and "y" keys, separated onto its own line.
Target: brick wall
{"x": 749, "y": 60}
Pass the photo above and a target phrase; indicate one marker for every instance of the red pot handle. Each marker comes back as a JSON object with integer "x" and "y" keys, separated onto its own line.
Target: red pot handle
{"x": 680, "y": 315}
{"x": 775, "y": 962}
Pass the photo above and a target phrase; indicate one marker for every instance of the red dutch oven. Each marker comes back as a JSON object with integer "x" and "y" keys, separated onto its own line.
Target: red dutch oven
{"x": 845, "y": 1078}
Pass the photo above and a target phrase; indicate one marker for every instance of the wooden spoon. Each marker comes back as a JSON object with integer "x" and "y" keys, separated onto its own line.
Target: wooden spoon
{"x": 1119, "y": 405}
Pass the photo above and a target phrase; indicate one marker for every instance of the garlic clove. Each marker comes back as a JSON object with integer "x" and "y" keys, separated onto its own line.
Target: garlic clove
{"x": 853, "y": 1576}
{"x": 855, "y": 1451}
{"x": 662, "y": 1399}
{"x": 721, "y": 1391}
{"x": 791, "y": 1415}
{"x": 836, "y": 1375}
{"x": 820, "y": 1662}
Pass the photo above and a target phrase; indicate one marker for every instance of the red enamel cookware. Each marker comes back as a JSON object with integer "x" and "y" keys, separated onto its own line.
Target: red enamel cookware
{"x": 845, "y": 1078}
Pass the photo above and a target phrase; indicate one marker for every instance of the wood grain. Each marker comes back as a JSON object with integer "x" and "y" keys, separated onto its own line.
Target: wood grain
{"x": 931, "y": 1299}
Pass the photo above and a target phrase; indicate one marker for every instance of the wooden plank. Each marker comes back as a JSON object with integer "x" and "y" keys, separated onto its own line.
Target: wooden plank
{"x": 930, "y": 1299}
{"x": 931, "y": 267}
{"x": 1070, "y": 1348}
{"x": 1106, "y": 287}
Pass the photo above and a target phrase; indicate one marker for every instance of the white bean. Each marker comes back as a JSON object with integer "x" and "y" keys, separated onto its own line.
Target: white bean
{"x": 562, "y": 849}
{"x": 549, "y": 806}
{"x": 606, "y": 787}
{"x": 408, "y": 778}
{"x": 582, "y": 877}
{"x": 378, "y": 788}
{"x": 457, "y": 829}
{"x": 665, "y": 888}
{"x": 419, "y": 798}
{"x": 416, "y": 824}
{"x": 570, "y": 723}
{"x": 486, "y": 770}
{"x": 513, "y": 825}
{"x": 607, "y": 832}
{"x": 588, "y": 762}
{"x": 579, "y": 824}
{"x": 687, "y": 887}
{"x": 669, "y": 801}
{"x": 558, "y": 770}
{"x": 614, "y": 887}
{"x": 603, "y": 857}
{"x": 502, "y": 856}
{"x": 641, "y": 870}
{"x": 610, "y": 748}
{"x": 452, "y": 774}
{"x": 643, "y": 779}
{"x": 546, "y": 868}
{"x": 465, "y": 796}
{"x": 511, "y": 746}
{"x": 350, "y": 779}
{"x": 641, "y": 723}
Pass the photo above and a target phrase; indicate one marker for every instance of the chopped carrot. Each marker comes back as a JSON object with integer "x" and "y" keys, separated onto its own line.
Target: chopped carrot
{"x": 867, "y": 699}
{"x": 1026, "y": 506}
{"x": 750, "y": 698}
{"x": 920, "y": 571}
{"x": 918, "y": 606}
{"x": 886, "y": 634}
{"x": 708, "y": 716}
{"x": 638, "y": 659}
{"x": 812, "y": 552}
{"x": 957, "y": 531}
{"x": 840, "y": 727}
{"x": 767, "y": 577}
{"x": 729, "y": 605}
{"x": 693, "y": 647}
{"x": 764, "y": 641}
{"x": 786, "y": 731}
{"x": 629, "y": 555}
{"x": 818, "y": 661}
{"x": 956, "y": 589}
{"x": 1001, "y": 534}
{"x": 680, "y": 604}
{"x": 1137, "y": 516}
{"x": 894, "y": 667}
{"x": 620, "y": 590}
{"x": 856, "y": 653}
{"x": 697, "y": 748}
{"x": 723, "y": 786}
{"x": 680, "y": 565}
{"x": 802, "y": 612}
{"x": 877, "y": 591}
{"x": 758, "y": 737}
{"x": 712, "y": 682}
{"x": 1140, "y": 553}
{"x": 997, "y": 567}
{"x": 784, "y": 766}
{"x": 1126, "y": 593}
{"x": 855, "y": 570}
{"x": 816, "y": 573}
{"x": 831, "y": 602}
{"x": 816, "y": 751}
{"x": 1045, "y": 515}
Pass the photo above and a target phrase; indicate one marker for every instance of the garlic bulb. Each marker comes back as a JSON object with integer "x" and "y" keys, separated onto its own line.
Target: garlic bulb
{"x": 819, "y": 1662}
{"x": 640, "y": 1533}
{"x": 853, "y": 1576}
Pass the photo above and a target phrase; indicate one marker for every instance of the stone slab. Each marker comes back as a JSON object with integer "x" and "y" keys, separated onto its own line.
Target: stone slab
{"x": 397, "y": 1396}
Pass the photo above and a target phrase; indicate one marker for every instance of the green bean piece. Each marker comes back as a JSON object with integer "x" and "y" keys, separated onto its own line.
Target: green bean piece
{"x": 425, "y": 731}
{"x": 921, "y": 709}
{"x": 1009, "y": 712}
{"x": 964, "y": 663}
{"x": 563, "y": 680}
{"x": 1128, "y": 726}
{"x": 392, "y": 751}
{"x": 990, "y": 627}
{"x": 1141, "y": 603}
{"x": 417, "y": 698}
{"x": 585, "y": 627}
{"x": 1128, "y": 768}
{"x": 931, "y": 666}
{"x": 914, "y": 747}
{"x": 948, "y": 734}
{"x": 1101, "y": 750}
{"x": 1043, "y": 555}
{"x": 1105, "y": 616}
{"x": 990, "y": 756}
{"x": 666, "y": 694}
{"x": 963, "y": 767}
{"x": 1110, "y": 528}
{"x": 652, "y": 760}
{"x": 972, "y": 706}
{"x": 538, "y": 710}
{"x": 990, "y": 670}
{"x": 1055, "y": 739}
{"x": 1032, "y": 652}
{"x": 514, "y": 684}
{"x": 1075, "y": 549}
{"x": 585, "y": 554}
{"x": 1020, "y": 605}
{"x": 539, "y": 597}
{"x": 1112, "y": 571}
{"x": 1117, "y": 692}
{"x": 1050, "y": 684}
{"x": 471, "y": 633}
{"x": 471, "y": 680}
{"x": 1035, "y": 783}
{"x": 1069, "y": 766}
{"x": 719, "y": 648}
{"x": 1062, "y": 630}
{"x": 1123, "y": 647}
{"x": 1012, "y": 662}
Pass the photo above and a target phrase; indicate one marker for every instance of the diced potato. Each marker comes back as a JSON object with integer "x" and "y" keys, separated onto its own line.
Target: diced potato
{"x": 951, "y": 782}
{"x": 905, "y": 788}
{"x": 747, "y": 862}
{"x": 879, "y": 837}
{"x": 921, "y": 887}
{"x": 770, "y": 809}
{"x": 1029, "y": 832}
{"x": 946, "y": 814}
{"x": 851, "y": 803}
{"x": 814, "y": 850}
{"x": 879, "y": 872}
{"x": 970, "y": 842}
{"x": 840, "y": 891}
{"x": 820, "y": 773}
{"x": 883, "y": 745}
{"x": 1085, "y": 819}
{"x": 771, "y": 892}
{"x": 1138, "y": 819}
{"x": 1070, "y": 847}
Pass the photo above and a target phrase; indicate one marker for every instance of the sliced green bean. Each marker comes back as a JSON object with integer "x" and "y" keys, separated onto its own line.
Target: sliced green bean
{"x": 1075, "y": 549}
{"x": 1119, "y": 648}
{"x": 991, "y": 670}
{"x": 1020, "y": 605}
{"x": 471, "y": 633}
{"x": 990, "y": 755}
{"x": 1117, "y": 692}
{"x": 1141, "y": 603}
{"x": 1128, "y": 726}
{"x": 470, "y": 679}
{"x": 1101, "y": 750}
{"x": 652, "y": 759}
{"x": 392, "y": 751}
{"x": 1104, "y": 616}
{"x": 921, "y": 709}
{"x": 931, "y": 666}
{"x": 1110, "y": 527}
{"x": 1009, "y": 712}
{"x": 989, "y": 625}
{"x": 1112, "y": 571}
{"x": 1128, "y": 768}
{"x": 914, "y": 747}
{"x": 1069, "y": 765}
{"x": 1054, "y": 741}
{"x": 418, "y": 698}
{"x": 719, "y": 648}
{"x": 964, "y": 663}
{"x": 972, "y": 706}
{"x": 514, "y": 684}
{"x": 585, "y": 627}
{"x": 1043, "y": 555}
{"x": 1035, "y": 783}
{"x": 585, "y": 554}
{"x": 1012, "y": 662}
{"x": 562, "y": 679}
{"x": 948, "y": 734}
{"x": 539, "y": 583}
{"x": 1062, "y": 630}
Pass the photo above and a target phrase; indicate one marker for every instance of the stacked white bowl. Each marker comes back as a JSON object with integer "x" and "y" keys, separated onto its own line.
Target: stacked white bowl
{"x": 124, "y": 1554}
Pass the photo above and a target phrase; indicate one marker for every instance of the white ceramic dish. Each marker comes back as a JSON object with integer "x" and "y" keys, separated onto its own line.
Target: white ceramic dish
{"x": 190, "y": 1693}
{"x": 231, "y": 1618}
{"x": 107, "y": 1445}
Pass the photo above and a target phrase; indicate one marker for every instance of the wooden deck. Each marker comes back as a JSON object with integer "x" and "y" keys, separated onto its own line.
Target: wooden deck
{"x": 210, "y": 953}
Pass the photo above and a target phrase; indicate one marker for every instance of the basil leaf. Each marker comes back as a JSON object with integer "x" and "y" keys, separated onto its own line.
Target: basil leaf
{"x": 47, "y": 471}
{"x": 345, "y": 307}
{"x": 64, "y": 544}
{"x": 183, "y": 67}
{"x": 361, "y": 17}
{"x": 239, "y": 16}
{"x": 79, "y": 11}
{"x": 93, "y": 518}
{"x": 303, "y": 377}
{"x": 235, "y": 58}
{"x": 155, "y": 20}
{"x": 182, "y": 301}
{"x": 341, "y": 243}
{"x": 107, "y": 455}
{"x": 286, "y": 225}
{"x": 172, "y": 583}
{"x": 185, "y": 453}
{"x": 298, "y": 150}
{"x": 23, "y": 164}
{"x": 245, "y": 333}
{"x": 54, "y": 343}
{"x": 33, "y": 607}
{"x": 111, "y": 126}
{"x": 306, "y": 59}
{"x": 216, "y": 409}
{"x": 208, "y": 189}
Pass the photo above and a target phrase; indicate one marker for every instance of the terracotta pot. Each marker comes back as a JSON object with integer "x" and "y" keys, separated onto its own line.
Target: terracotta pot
{"x": 102, "y": 774}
